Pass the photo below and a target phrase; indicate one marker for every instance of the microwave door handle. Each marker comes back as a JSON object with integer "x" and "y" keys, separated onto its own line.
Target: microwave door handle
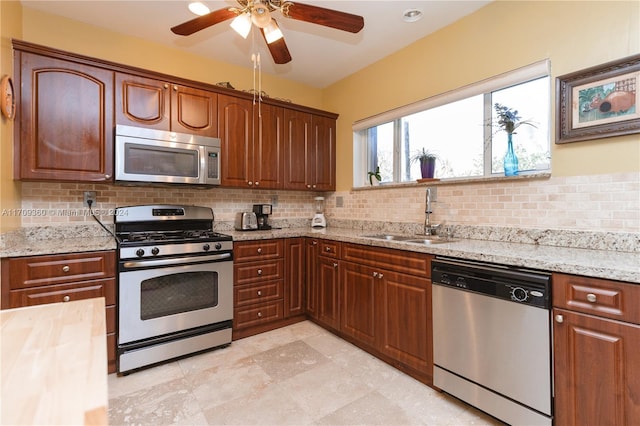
{"x": 202, "y": 173}
{"x": 176, "y": 261}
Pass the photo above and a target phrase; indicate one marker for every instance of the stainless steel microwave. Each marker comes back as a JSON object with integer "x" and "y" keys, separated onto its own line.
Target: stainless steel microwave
{"x": 156, "y": 156}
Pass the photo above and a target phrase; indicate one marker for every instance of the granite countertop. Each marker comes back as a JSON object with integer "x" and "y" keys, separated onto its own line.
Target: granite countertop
{"x": 616, "y": 265}
{"x": 54, "y": 364}
{"x": 608, "y": 264}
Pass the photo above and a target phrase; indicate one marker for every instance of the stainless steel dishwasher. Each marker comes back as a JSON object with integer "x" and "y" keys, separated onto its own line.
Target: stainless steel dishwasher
{"x": 492, "y": 339}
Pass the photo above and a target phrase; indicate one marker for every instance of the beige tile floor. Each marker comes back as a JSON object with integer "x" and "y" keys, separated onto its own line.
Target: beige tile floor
{"x": 296, "y": 375}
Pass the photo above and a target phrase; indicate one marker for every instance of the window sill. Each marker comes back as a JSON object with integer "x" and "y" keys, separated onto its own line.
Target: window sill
{"x": 533, "y": 175}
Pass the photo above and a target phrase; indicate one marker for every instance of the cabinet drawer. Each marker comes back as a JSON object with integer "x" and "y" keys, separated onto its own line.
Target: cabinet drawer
{"x": 258, "y": 293}
{"x": 64, "y": 293}
{"x": 401, "y": 261}
{"x": 36, "y": 271}
{"x": 251, "y": 251}
{"x": 330, "y": 248}
{"x": 258, "y": 314}
{"x": 605, "y": 298}
{"x": 258, "y": 271}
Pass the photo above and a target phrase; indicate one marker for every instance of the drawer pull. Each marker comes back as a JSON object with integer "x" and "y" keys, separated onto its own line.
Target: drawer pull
{"x": 259, "y": 314}
{"x": 259, "y": 293}
{"x": 259, "y": 271}
{"x": 66, "y": 299}
{"x": 259, "y": 250}
{"x": 327, "y": 249}
{"x": 559, "y": 319}
{"x": 591, "y": 297}
{"x": 66, "y": 268}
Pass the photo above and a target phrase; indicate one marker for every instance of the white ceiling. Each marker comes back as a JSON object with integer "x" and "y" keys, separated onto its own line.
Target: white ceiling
{"x": 321, "y": 55}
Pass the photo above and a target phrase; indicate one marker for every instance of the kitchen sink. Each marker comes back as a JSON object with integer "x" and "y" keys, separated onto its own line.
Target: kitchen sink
{"x": 389, "y": 237}
{"x": 427, "y": 240}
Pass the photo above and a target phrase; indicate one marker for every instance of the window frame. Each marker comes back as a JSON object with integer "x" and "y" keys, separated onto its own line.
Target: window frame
{"x": 485, "y": 87}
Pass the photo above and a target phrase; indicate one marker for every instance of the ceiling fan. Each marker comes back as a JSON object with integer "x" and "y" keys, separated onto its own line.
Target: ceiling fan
{"x": 258, "y": 13}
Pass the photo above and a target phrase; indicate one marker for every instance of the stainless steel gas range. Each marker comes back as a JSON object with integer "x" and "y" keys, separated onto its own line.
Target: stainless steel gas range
{"x": 175, "y": 284}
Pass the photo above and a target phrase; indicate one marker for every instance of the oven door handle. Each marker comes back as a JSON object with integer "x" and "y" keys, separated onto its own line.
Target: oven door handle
{"x": 179, "y": 261}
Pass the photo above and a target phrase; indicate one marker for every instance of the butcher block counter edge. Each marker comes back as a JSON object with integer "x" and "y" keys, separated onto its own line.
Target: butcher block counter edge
{"x": 54, "y": 365}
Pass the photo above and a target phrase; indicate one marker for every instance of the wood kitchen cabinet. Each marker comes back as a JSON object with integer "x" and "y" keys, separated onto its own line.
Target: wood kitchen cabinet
{"x": 327, "y": 284}
{"x": 163, "y": 105}
{"x": 310, "y": 151}
{"x": 386, "y": 303}
{"x": 294, "y": 296}
{"x": 37, "y": 280}
{"x": 64, "y": 127}
{"x": 596, "y": 345}
{"x": 252, "y": 143}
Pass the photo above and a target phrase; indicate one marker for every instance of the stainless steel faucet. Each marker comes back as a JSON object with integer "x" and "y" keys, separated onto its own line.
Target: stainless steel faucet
{"x": 429, "y": 229}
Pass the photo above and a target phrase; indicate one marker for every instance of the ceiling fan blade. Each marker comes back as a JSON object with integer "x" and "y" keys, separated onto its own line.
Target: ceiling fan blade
{"x": 204, "y": 21}
{"x": 279, "y": 50}
{"x": 327, "y": 17}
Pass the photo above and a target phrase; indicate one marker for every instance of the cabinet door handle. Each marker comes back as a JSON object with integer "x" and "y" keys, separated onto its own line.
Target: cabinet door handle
{"x": 66, "y": 299}
{"x": 559, "y": 319}
{"x": 315, "y": 243}
{"x": 166, "y": 86}
{"x": 592, "y": 298}
{"x": 66, "y": 268}
{"x": 375, "y": 274}
{"x": 309, "y": 186}
{"x": 257, "y": 183}
{"x": 259, "y": 271}
{"x": 335, "y": 265}
{"x": 259, "y": 250}
{"x": 380, "y": 276}
{"x": 175, "y": 88}
{"x": 259, "y": 314}
{"x": 259, "y": 293}
{"x": 107, "y": 176}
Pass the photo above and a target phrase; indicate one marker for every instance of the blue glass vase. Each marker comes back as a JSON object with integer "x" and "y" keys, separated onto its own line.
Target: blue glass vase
{"x": 510, "y": 159}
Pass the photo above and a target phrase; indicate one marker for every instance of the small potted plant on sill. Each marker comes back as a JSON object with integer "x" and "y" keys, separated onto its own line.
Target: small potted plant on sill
{"x": 427, "y": 162}
{"x": 374, "y": 175}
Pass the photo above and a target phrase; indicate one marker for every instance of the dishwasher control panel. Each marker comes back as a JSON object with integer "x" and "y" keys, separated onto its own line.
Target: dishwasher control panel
{"x": 503, "y": 282}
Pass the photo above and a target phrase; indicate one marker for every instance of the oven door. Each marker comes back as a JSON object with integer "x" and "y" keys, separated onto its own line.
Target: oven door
{"x": 158, "y": 301}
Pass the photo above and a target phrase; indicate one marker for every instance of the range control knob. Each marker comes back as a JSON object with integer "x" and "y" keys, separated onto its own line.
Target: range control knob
{"x": 139, "y": 252}
{"x": 218, "y": 246}
{"x": 206, "y": 247}
{"x": 519, "y": 294}
{"x": 155, "y": 251}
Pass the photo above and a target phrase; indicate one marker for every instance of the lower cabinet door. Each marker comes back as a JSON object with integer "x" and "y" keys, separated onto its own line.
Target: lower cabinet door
{"x": 328, "y": 288}
{"x": 597, "y": 370}
{"x": 406, "y": 312}
{"x": 361, "y": 289}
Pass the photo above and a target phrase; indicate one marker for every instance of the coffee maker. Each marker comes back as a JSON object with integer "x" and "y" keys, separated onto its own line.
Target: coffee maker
{"x": 262, "y": 212}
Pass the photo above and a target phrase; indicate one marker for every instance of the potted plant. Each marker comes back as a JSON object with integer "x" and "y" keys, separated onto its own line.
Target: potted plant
{"x": 375, "y": 175}
{"x": 509, "y": 121}
{"x": 427, "y": 161}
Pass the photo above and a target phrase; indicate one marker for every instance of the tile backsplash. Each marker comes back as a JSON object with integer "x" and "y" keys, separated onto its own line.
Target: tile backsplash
{"x": 591, "y": 203}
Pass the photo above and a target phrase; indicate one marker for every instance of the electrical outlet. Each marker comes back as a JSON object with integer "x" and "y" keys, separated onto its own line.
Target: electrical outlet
{"x": 274, "y": 200}
{"x": 89, "y": 195}
{"x": 339, "y": 201}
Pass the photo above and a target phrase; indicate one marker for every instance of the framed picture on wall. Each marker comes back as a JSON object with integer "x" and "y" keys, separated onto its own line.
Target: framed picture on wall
{"x": 598, "y": 102}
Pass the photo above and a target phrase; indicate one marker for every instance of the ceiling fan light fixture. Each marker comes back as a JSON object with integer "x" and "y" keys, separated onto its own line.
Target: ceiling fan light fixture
{"x": 242, "y": 24}
{"x": 260, "y": 15}
{"x": 198, "y": 8}
{"x": 411, "y": 15}
{"x": 272, "y": 32}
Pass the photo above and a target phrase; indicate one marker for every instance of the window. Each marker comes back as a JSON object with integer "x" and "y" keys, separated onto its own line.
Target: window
{"x": 457, "y": 127}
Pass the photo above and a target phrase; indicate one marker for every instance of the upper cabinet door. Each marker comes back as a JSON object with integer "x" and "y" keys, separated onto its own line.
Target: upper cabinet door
{"x": 66, "y": 120}
{"x": 235, "y": 120}
{"x": 297, "y": 134}
{"x": 268, "y": 147}
{"x": 142, "y": 102}
{"x": 194, "y": 111}
{"x": 323, "y": 161}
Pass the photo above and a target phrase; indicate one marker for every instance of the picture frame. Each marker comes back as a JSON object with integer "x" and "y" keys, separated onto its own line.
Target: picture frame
{"x": 599, "y": 102}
